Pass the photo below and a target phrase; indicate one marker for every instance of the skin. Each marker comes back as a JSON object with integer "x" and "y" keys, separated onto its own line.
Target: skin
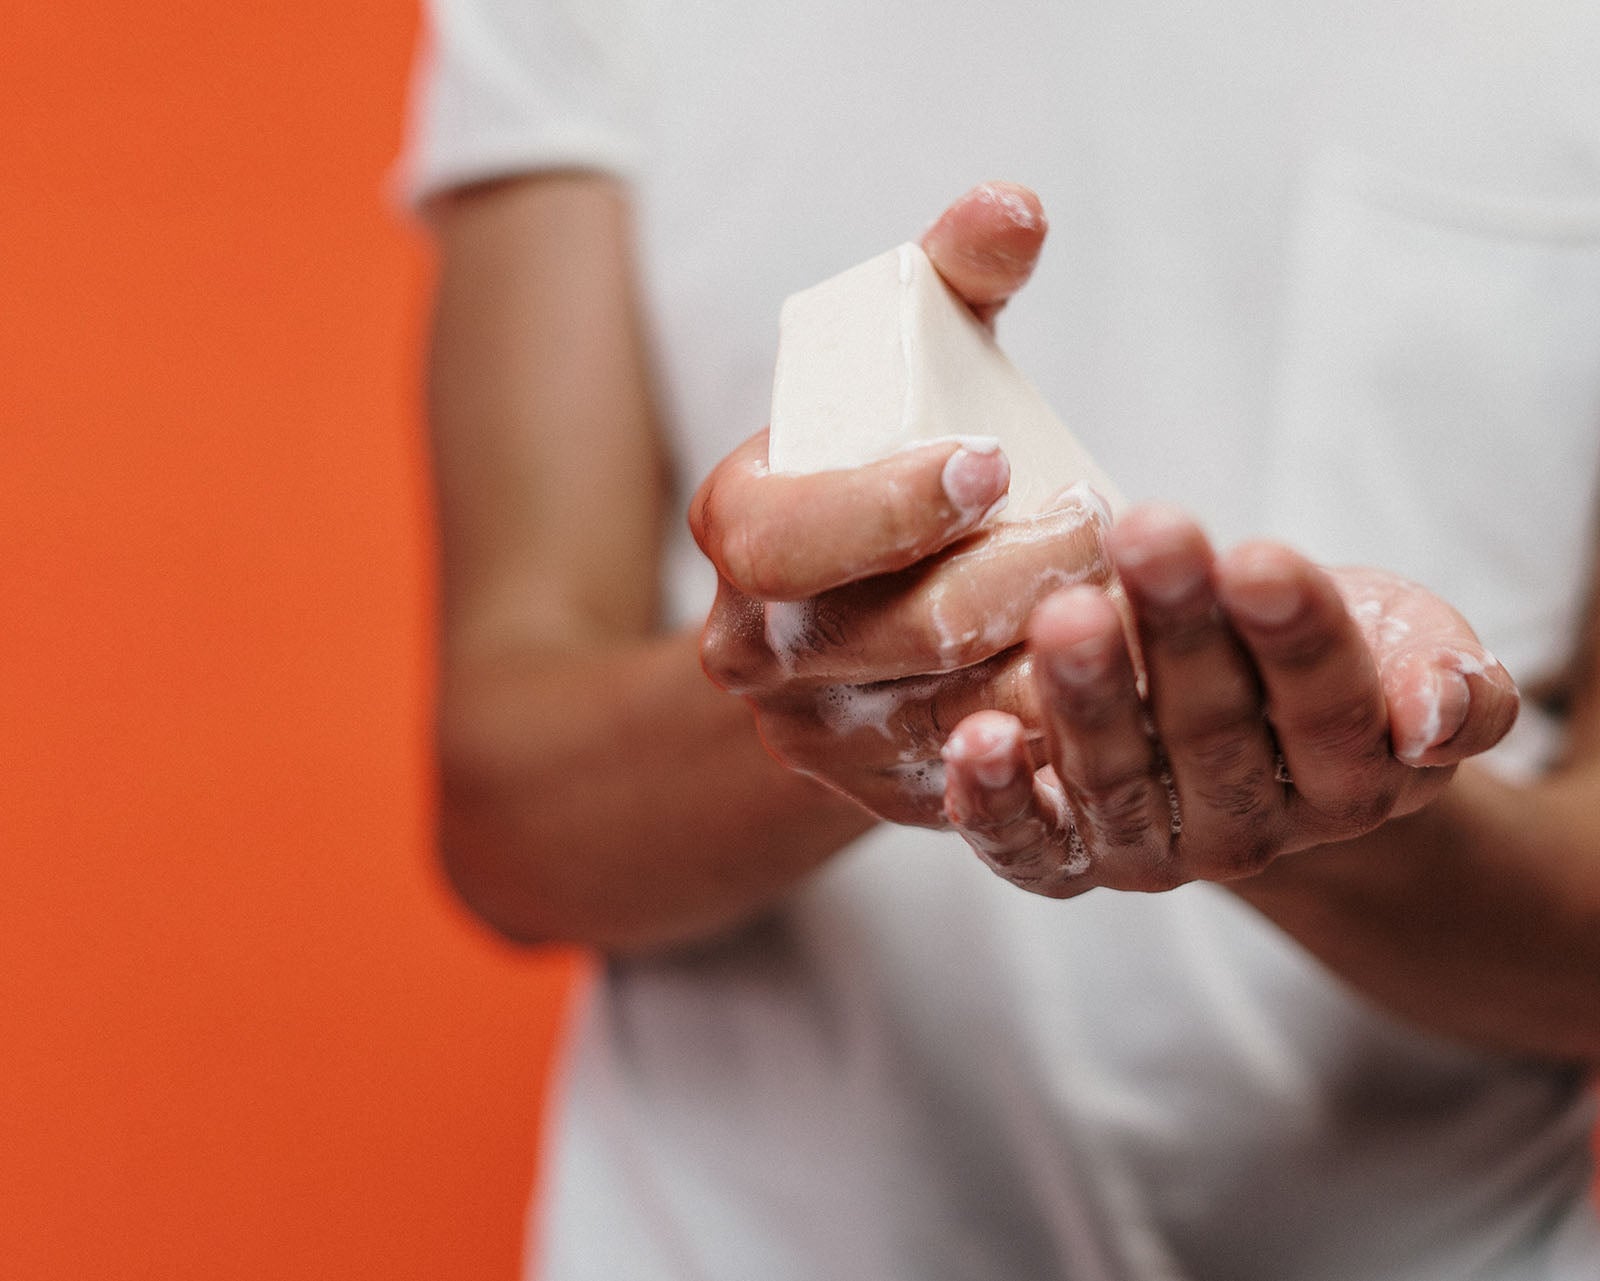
{"x": 576, "y": 740}
{"x": 908, "y": 658}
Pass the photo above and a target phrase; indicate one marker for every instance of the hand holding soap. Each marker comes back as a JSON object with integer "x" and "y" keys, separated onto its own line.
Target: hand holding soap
{"x": 885, "y": 356}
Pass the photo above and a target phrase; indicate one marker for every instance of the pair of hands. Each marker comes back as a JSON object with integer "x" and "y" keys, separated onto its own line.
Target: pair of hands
{"x": 941, "y": 669}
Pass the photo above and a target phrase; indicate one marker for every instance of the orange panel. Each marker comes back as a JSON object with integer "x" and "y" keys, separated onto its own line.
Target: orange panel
{"x": 246, "y": 1034}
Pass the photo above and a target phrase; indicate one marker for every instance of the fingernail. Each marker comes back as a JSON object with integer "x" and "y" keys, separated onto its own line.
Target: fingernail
{"x": 1010, "y": 200}
{"x": 973, "y": 480}
{"x": 1160, "y": 550}
{"x": 987, "y": 748}
{"x": 1446, "y": 700}
{"x": 994, "y": 772}
{"x": 1082, "y": 663}
{"x": 1167, "y": 579}
{"x": 1083, "y": 496}
{"x": 1266, "y": 602}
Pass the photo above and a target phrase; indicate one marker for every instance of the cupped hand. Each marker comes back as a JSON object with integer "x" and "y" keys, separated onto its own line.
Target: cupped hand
{"x": 1268, "y": 706}
{"x": 863, "y": 613}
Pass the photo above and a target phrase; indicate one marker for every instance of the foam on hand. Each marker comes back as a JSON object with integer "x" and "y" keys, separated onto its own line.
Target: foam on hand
{"x": 885, "y": 356}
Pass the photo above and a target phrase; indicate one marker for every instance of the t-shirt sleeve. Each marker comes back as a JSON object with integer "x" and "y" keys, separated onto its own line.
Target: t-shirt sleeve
{"x": 514, "y": 86}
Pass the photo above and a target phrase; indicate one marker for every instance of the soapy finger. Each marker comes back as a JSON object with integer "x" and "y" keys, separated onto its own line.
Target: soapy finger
{"x": 889, "y": 723}
{"x": 784, "y": 537}
{"x": 1321, "y": 685}
{"x": 862, "y": 755}
{"x": 1448, "y": 697}
{"x": 986, "y": 243}
{"x": 961, "y": 607}
{"x": 1014, "y": 818}
{"x": 1448, "y": 704}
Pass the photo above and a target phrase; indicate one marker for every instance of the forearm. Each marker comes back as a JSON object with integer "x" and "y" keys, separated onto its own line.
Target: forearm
{"x": 618, "y": 799}
{"x": 1477, "y": 917}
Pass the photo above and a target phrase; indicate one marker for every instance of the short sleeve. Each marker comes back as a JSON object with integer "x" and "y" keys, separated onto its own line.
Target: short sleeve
{"x": 514, "y": 86}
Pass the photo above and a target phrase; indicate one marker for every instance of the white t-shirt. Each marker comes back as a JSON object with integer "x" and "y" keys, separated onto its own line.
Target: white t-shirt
{"x": 1327, "y": 270}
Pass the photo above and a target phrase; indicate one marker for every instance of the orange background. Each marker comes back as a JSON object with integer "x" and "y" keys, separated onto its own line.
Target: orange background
{"x": 244, "y": 1032}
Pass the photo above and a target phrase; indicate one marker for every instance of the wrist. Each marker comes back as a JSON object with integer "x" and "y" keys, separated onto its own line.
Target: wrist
{"x": 1401, "y": 849}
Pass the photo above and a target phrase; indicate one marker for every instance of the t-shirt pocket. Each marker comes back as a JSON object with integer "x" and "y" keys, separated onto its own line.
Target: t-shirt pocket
{"x": 1437, "y": 409}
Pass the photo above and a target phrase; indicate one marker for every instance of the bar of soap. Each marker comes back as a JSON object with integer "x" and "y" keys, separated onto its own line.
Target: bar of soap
{"x": 884, "y": 356}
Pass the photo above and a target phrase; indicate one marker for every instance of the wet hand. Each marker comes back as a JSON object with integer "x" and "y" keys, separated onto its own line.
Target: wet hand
{"x": 1281, "y": 706}
{"x": 864, "y": 613}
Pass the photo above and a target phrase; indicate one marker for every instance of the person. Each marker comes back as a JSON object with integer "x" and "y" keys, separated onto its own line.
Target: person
{"x": 1327, "y": 278}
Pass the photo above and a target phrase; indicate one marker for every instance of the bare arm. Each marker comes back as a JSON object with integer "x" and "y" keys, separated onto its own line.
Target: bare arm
{"x": 595, "y": 787}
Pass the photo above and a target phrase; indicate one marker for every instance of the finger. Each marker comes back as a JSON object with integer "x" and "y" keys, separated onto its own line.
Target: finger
{"x": 964, "y": 606}
{"x": 1098, "y": 743}
{"x": 1447, "y": 704}
{"x": 734, "y": 652}
{"x": 1448, "y": 697}
{"x": 986, "y": 243}
{"x": 910, "y": 793}
{"x": 873, "y": 727}
{"x": 1015, "y": 821}
{"x": 952, "y": 612}
{"x": 1204, "y": 697}
{"x": 777, "y": 536}
{"x": 1323, "y": 695}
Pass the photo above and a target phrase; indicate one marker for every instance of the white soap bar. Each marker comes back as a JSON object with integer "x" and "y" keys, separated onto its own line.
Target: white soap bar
{"x": 885, "y": 356}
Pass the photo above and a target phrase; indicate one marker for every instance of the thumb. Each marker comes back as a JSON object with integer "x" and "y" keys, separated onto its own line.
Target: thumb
{"x": 986, "y": 243}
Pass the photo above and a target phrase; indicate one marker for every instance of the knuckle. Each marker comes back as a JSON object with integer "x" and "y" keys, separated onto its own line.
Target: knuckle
{"x": 1219, "y": 744}
{"x": 1305, "y": 649}
{"x": 1108, "y": 773}
{"x": 902, "y": 522}
{"x": 1007, "y": 837}
{"x": 1120, "y": 813}
{"x": 1237, "y": 794}
{"x": 1012, "y": 853}
{"x": 747, "y": 562}
{"x": 1028, "y": 855}
{"x": 1348, "y": 728}
{"x": 917, "y": 729}
{"x": 1366, "y": 806}
{"x": 830, "y": 626}
{"x": 1249, "y": 848}
{"x": 729, "y": 661}
{"x": 1046, "y": 883}
{"x": 797, "y": 631}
